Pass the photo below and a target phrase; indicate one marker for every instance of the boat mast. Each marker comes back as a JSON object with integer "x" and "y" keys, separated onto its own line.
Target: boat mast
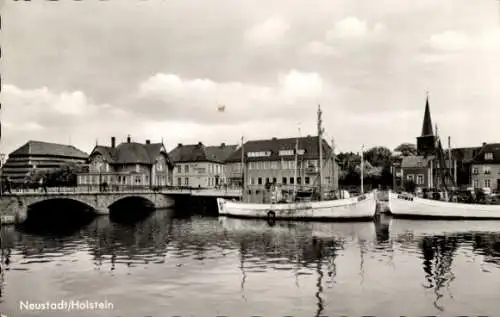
{"x": 295, "y": 167}
{"x": 362, "y": 170}
{"x": 333, "y": 163}
{"x": 320, "y": 138}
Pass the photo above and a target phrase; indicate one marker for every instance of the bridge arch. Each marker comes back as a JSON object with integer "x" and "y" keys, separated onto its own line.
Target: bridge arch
{"x": 132, "y": 197}
{"x": 44, "y": 200}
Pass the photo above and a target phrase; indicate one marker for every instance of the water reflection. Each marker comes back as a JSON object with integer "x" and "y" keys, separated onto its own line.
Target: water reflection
{"x": 438, "y": 253}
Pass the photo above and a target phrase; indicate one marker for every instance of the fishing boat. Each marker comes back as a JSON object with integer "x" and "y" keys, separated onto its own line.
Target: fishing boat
{"x": 361, "y": 207}
{"x": 410, "y": 206}
{"x": 444, "y": 200}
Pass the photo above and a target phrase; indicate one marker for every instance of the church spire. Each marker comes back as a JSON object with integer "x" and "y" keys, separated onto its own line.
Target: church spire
{"x": 427, "y": 125}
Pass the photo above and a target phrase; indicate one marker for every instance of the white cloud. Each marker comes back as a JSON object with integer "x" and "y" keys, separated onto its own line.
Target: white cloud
{"x": 43, "y": 102}
{"x": 319, "y": 48}
{"x": 448, "y": 41}
{"x": 167, "y": 96}
{"x": 271, "y": 32}
{"x": 354, "y": 28}
{"x": 42, "y": 114}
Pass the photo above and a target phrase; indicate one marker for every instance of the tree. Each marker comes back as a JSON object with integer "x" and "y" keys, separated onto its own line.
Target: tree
{"x": 406, "y": 149}
{"x": 378, "y": 156}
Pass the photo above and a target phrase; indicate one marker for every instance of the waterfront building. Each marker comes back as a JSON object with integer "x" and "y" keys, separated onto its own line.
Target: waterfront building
{"x": 423, "y": 169}
{"x": 200, "y": 166}
{"x": 273, "y": 161}
{"x": 485, "y": 167}
{"x": 128, "y": 164}
{"x": 38, "y": 156}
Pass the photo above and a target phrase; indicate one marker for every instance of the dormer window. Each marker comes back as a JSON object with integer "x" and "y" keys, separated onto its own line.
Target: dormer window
{"x": 488, "y": 156}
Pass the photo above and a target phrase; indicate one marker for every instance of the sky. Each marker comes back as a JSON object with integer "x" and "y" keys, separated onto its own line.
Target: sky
{"x": 79, "y": 72}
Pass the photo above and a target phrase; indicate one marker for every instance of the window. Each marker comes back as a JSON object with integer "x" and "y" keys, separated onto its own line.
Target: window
{"x": 186, "y": 168}
{"x": 307, "y": 179}
{"x": 186, "y": 181}
{"x": 410, "y": 177}
{"x": 291, "y": 181}
{"x": 274, "y": 180}
{"x": 283, "y": 181}
{"x": 179, "y": 181}
{"x": 179, "y": 169}
{"x": 475, "y": 171}
{"x": 259, "y": 154}
{"x": 487, "y": 170}
{"x": 160, "y": 166}
{"x": 286, "y": 152}
{"x": 137, "y": 168}
{"x": 267, "y": 180}
{"x": 488, "y": 156}
{"x": 137, "y": 179}
{"x": 299, "y": 181}
{"x": 487, "y": 183}
{"x": 476, "y": 183}
{"x": 252, "y": 181}
{"x": 420, "y": 179}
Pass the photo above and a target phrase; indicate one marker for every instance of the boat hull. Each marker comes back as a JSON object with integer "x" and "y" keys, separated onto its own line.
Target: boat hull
{"x": 355, "y": 208}
{"x": 402, "y": 206}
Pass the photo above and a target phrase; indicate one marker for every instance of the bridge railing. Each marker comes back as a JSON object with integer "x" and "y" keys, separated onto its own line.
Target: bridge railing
{"x": 129, "y": 188}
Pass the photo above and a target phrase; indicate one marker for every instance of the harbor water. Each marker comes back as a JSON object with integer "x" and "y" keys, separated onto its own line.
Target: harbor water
{"x": 165, "y": 265}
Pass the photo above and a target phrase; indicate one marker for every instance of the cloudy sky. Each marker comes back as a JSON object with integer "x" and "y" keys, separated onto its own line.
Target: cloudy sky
{"x": 81, "y": 71}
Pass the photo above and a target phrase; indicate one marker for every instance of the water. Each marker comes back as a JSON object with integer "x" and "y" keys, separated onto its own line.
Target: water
{"x": 201, "y": 266}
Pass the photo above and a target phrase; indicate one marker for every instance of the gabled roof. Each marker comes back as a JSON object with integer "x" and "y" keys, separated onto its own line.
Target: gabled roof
{"x": 309, "y": 144}
{"x": 131, "y": 153}
{"x": 187, "y": 153}
{"x": 493, "y": 148}
{"x": 49, "y": 149}
{"x": 465, "y": 154}
{"x": 414, "y": 161}
{"x": 220, "y": 153}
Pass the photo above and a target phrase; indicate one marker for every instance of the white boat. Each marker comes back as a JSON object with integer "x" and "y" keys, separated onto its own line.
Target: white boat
{"x": 411, "y": 206}
{"x": 356, "y": 208}
{"x": 361, "y": 207}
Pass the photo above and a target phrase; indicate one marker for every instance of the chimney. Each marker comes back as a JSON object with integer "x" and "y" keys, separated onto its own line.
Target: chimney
{"x": 179, "y": 144}
{"x": 222, "y": 144}
{"x": 148, "y": 141}
{"x": 484, "y": 143}
{"x": 113, "y": 142}
{"x": 274, "y": 138}
{"x": 199, "y": 143}
{"x": 128, "y": 139}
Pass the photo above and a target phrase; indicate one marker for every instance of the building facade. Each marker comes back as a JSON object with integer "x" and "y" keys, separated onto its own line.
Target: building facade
{"x": 128, "y": 164}
{"x": 37, "y": 156}
{"x": 273, "y": 161}
{"x": 200, "y": 166}
{"x": 485, "y": 168}
{"x": 425, "y": 168}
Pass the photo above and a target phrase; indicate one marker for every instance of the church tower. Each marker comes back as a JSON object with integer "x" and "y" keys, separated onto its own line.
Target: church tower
{"x": 426, "y": 141}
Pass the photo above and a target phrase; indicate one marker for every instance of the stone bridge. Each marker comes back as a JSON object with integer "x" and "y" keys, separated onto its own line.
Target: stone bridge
{"x": 14, "y": 207}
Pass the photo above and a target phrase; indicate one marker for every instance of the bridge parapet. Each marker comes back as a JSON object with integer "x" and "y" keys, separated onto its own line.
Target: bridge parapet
{"x": 14, "y": 207}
